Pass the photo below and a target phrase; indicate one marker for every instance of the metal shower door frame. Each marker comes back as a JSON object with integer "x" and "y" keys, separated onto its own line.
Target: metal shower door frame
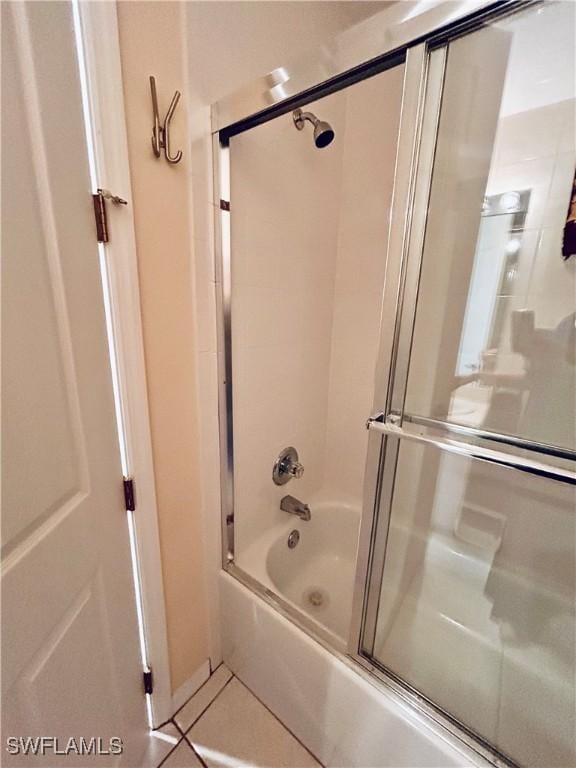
{"x": 389, "y": 424}
{"x": 421, "y": 103}
{"x": 407, "y": 41}
{"x": 424, "y": 54}
{"x": 421, "y": 97}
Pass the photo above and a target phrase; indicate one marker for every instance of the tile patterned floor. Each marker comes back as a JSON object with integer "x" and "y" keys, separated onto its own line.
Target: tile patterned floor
{"x": 225, "y": 726}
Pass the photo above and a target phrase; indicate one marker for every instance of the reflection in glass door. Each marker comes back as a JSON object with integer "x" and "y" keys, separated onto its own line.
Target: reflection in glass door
{"x": 472, "y": 588}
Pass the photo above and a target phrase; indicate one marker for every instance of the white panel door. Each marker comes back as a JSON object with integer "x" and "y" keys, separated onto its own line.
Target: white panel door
{"x": 71, "y": 663}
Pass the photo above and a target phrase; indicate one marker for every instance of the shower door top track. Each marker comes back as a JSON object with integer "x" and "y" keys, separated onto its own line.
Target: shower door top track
{"x": 381, "y": 44}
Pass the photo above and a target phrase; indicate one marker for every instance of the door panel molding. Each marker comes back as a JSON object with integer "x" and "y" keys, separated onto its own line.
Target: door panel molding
{"x": 65, "y": 500}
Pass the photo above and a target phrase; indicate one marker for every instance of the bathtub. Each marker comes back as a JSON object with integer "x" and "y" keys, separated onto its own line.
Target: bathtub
{"x": 338, "y": 711}
{"x": 317, "y": 575}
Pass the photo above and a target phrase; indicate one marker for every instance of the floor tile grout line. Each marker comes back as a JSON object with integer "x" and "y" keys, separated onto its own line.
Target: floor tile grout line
{"x": 185, "y": 738}
{"x": 180, "y": 740}
{"x": 198, "y": 755}
{"x": 280, "y": 721}
{"x": 197, "y": 691}
{"x": 190, "y": 744}
{"x": 172, "y": 720}
{"x": 207, "y": 707}
{"x": 162, "y": 725}
{"x": 178, "y": 727}
{"x": 184, "y": 734}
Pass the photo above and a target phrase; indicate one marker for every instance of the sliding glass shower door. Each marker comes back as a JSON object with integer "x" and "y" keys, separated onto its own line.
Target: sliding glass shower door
{"x": 471, "y": 600}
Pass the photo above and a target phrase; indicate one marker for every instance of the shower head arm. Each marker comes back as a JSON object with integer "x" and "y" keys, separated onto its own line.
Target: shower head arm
{"x": 301, "y": 117}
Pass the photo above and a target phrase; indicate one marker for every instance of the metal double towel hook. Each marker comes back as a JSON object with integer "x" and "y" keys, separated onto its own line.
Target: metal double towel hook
{"x": 161, "y": 133}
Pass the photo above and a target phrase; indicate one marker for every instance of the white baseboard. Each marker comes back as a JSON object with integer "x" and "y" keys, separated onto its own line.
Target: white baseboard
{"x": 189, "y": 688}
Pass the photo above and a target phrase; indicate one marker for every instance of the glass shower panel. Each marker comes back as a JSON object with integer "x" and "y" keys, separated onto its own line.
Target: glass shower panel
{"x": 477, "y": 605}
{"x": 502, "y": 346}
{"x": 472, "y": 591}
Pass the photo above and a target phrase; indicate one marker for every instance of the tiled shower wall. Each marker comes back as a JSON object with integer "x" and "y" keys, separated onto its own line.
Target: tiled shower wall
{"x": 369, "y": 154}
{"x": 309, "y": 240}
{"x": 285, "y": 203}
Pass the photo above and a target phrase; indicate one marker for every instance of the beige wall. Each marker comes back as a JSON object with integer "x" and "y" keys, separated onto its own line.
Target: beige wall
{"x": 232, "y": 43}
{"x": 152, "y": 42}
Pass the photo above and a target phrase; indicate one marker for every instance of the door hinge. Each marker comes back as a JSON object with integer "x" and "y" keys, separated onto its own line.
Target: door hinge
{"x": 129, "y": 499}
{"x": 99, "y": 200}
{"x": 224, "y": 205}
{"x": 148, "y": 681}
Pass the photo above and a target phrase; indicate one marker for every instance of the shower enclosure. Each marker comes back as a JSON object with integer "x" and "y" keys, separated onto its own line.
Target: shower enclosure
{"x": 398, "y": 349}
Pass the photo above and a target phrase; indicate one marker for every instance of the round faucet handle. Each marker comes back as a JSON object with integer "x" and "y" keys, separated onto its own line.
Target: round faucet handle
{"x": 287, "y": 466}
{"x": 297, "y": 470}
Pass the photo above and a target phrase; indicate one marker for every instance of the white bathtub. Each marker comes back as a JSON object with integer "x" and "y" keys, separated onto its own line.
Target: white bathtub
{"x": 335, "y": 711}
{"x": 317, "y": 575}
{"x": 331, "y": 706}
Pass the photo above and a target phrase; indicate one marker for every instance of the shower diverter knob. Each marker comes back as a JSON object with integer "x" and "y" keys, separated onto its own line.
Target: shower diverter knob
{"x": 287, "y": 466}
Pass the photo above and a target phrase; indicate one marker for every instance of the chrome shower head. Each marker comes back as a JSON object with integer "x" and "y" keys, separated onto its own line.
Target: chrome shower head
{"x": 323, "y": 132}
